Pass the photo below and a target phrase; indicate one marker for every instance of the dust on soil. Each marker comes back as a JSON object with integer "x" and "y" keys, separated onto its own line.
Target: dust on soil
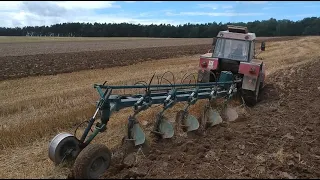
{"x": 278, "y": 138}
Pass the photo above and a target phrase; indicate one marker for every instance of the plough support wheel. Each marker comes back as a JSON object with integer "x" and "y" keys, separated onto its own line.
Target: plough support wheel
{"x": 63, "y": 146}
{"x": 92, "y": 162}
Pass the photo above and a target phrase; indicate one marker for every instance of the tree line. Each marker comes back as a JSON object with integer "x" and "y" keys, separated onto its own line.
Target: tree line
{"x": 267, "y": 28}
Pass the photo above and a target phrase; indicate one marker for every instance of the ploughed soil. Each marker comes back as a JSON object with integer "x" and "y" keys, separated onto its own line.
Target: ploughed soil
{"x": 51, "y": 64}
{"x": 278, "y": 138}
{"x": 34, "y": 59}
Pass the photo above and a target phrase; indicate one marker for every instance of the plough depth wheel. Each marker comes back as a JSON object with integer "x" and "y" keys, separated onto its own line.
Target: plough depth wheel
{"x": 92, "y": 162}
{"x": 63, "y": 146}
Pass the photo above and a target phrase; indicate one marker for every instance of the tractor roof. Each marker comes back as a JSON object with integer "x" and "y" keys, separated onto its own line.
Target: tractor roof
{"x": 237, "y": 32}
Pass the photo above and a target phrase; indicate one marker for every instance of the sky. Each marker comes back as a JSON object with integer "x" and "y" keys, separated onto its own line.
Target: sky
{"x": 38, "y": 13}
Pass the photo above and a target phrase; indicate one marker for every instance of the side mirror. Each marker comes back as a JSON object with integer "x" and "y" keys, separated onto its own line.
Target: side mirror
{"x": 263, "y": 46}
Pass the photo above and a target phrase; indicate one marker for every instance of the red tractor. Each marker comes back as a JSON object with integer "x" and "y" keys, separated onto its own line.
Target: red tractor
{"x": 234, "y": 51}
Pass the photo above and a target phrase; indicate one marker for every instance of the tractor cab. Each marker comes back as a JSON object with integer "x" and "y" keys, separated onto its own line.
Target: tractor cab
{"x": 230, "y": 48}
{"x": 235, "y": 44}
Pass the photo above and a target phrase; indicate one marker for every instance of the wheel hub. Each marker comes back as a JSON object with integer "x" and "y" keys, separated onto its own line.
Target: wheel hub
{"x": 98, "y": 164}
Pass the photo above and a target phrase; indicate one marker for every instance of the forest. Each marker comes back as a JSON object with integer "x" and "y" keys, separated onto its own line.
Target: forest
{"x": 265, "y": 28}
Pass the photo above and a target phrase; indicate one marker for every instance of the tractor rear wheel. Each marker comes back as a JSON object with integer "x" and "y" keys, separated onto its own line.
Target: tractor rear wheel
{"x": 92, "y": 162}
{"x": 251, "y": 98}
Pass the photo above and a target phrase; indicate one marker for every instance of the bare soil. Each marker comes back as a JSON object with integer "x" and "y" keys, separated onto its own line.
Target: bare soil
{"x": 33, "y": 59}
{"x": 51, "y": 64}
{"x": 31, "y": 48}
{"x": 278, "y": 138}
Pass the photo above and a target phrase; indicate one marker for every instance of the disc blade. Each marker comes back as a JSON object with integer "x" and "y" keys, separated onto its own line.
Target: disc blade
{"x": 138, "y": 134}
{"x": 230, "y": 114}
{"x": 166, "y": 129}
{"x": 192, "y": 123}
{"x": 214, "y": 117}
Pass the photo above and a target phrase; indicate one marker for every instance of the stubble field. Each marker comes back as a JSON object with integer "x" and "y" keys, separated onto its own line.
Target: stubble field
{"x": 278, "y": 138}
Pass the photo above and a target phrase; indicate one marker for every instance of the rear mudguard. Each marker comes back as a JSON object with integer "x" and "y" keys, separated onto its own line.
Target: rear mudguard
{"x": 249, "y": 83}
{"x": 253, "y": 75}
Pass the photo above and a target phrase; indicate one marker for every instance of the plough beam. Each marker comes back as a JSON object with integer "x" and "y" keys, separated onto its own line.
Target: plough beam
{"x": 178, "y": 93}
{"x": 210, "y": 84}
{"x": 166, "y": 94}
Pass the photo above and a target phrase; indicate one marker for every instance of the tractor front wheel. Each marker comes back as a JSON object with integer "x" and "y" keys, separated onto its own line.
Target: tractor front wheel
{"x": 92, "y": 162}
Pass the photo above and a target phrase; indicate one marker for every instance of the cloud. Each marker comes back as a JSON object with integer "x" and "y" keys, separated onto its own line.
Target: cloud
{"x": 295, "y": 3}
{"x": 129, "y": 1}
{"x": 252, "y": 2}
{"x": 300, "y": 15}
{"x": 9, "y": 5}
{"x": 214, "y": 6}
{"x": 43, "y": 9}
{"x": 154, "y": 13}
{"x": 227, "y": 7}
{"x": 210, "y": 6}
{"x": 271, "y": 7}
{"x": 80, "y": 5}
{"x": 226, "y": 14}
{"x": 38, "y": 13}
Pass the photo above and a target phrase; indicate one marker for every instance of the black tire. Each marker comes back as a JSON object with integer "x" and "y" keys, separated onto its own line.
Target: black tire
{"x": 87, "y": 157}
{"x": 249, "y": 97}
